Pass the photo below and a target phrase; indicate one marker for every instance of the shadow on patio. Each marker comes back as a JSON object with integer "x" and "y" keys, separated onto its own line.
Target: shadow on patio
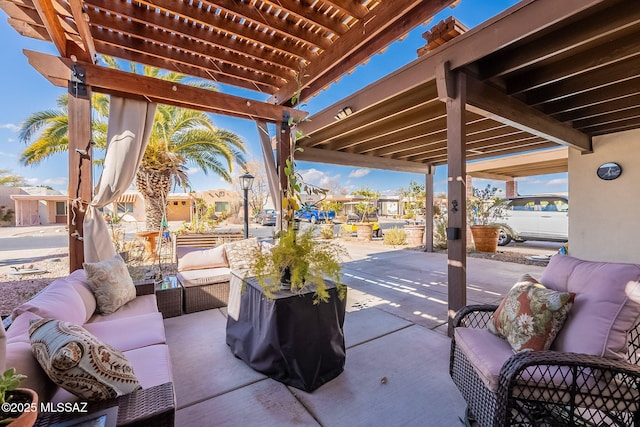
{"x": 396, "y": 370}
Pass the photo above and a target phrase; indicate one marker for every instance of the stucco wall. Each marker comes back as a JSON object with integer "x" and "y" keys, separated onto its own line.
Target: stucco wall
{"x": 604, "y": 216}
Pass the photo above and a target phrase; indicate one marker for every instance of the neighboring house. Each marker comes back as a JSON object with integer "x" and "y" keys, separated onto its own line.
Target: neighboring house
{"x": 221, "y": 200}
{"x": 37, "y": 206}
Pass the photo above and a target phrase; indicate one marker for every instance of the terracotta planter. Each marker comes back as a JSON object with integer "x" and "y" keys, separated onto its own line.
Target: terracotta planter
{"x": 364, "y": 231}
{"x": 415, "y": 234}
{"x": 485, "y": 237}
{"x": 27, "y": 419}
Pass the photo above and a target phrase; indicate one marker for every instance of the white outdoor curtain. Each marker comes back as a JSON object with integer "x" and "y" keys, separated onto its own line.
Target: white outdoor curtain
{"x": 130, "y": 125}
{"x": 269, "y": 165}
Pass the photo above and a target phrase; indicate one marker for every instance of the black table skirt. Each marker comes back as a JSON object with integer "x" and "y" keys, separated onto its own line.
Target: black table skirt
{"x": 288, "y": 338}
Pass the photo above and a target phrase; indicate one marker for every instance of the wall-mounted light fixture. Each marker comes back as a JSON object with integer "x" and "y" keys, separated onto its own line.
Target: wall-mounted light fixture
{"x": 346, "y": 111}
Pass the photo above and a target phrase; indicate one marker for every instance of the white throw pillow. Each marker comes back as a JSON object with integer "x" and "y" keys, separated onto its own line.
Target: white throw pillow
{"x": 111, "y": 284}
{"x": 203, "y": 258}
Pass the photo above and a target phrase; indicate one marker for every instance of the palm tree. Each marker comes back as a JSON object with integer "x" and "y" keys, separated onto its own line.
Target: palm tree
{"x": 180, "y": 138}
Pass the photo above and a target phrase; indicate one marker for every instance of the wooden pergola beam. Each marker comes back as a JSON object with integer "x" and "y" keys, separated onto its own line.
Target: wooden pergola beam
{"x": 110, "y": 81}
{"x": 49, "y": 17}
{"x": 491, "y": 103}
{"x": 318, "y": 155}
{"x": 81, "y": 19}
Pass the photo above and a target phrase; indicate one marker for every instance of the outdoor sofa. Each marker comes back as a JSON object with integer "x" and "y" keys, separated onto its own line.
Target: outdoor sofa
{"x": 83, "y": 349}
{"x": 589, "y": 376}
{"x": 203, "y": 267}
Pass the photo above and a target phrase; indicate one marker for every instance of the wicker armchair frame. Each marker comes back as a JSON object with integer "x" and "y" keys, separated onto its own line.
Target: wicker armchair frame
{"x": 550, "y": 388}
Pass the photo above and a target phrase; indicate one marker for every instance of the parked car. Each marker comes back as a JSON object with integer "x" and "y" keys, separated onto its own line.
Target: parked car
{"x": 266, "y": 217}
{"x": 536, "y": 218}
{"x": 313, "y": 214}
{"x": 355, "y": 217}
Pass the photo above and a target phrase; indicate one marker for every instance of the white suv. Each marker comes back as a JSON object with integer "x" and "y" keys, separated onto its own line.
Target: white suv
{"x": 536, "y": 218}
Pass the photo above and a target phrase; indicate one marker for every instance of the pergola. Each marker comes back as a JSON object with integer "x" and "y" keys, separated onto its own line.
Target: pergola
{"x": 542, "y": 74}
{"x": 270, "y": 47}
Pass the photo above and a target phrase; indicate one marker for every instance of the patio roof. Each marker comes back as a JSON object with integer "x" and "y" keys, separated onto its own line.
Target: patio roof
{"x": 257, "y": 45}
{"x": 543, "y": 162}
{"x": 539, "y": 75}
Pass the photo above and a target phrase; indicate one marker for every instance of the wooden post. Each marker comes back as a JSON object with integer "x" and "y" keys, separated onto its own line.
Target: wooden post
{"x": 428, "y": 192}
{"x": 452, "y": 90}
{"x": 80, "y": 179}
{"x": 284, "y": 153}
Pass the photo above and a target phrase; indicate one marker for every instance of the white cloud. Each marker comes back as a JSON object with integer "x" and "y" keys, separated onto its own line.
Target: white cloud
{"x": 359, "y": 173}
{"x": 193, "y": 171}
{"x": 58, "y": 181}
{"x": 558, "y": 181}
{"x": 5, "y": 154}
{"x": 10, "y": 126}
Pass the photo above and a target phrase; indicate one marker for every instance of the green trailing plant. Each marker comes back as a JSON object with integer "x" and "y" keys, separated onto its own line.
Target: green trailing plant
{"x": 5, "y": 214}
{"x": 395, "y": 236}
{"x": 9, "y": 381}
{"x": 297, "y": 257}
{"x": 308, "y": 260}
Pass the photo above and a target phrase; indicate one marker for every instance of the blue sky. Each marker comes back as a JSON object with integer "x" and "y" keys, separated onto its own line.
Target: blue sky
{"x": 25, "y": 91}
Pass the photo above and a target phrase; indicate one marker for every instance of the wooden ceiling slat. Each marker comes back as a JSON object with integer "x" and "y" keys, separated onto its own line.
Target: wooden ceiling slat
{"x": 629, "y": 124}
{"x": 422, "y": 13}
{"x": 203, "y": 21}
{"x": 178, "y": 67}
{"x": 49, "y": 17}
{"x": 353, "y": 8}
{"x": 368, "y": 28}
{"x": 29, "y": 30}
{"x": 303, "y": 11}
{"x": 618, "y": 72}
{"x": 620, "y": 49}
{"x": 173, "y": 42}
{"x": 600, "y": 95}
{"x": 21, "y": 12}
{"x": 146, "y": 48}
{"x": 197, "y": 39}
{"x": 574, "y": 36}
{"x": 591, "y": 111}
{"x": 406, "y": 102}
{"x": 612, "y": 119}
{"x": 287, "y": 27}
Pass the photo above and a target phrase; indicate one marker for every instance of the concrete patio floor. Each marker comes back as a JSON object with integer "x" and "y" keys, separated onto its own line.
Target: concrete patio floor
{"x": 396, "y": 371}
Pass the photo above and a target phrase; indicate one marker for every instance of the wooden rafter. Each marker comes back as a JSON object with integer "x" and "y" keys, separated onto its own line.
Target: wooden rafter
{"x": 49, "y": 17}
{"x": 81, "y": 19}
{"x": 108, "y": 80}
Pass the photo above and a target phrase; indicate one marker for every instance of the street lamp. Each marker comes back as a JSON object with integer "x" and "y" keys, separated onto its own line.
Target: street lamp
{"x": 246, "y": 181}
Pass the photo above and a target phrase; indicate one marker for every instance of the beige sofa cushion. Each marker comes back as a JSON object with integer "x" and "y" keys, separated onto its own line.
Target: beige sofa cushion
{"x": 202, "y": 258}
{"x": 79, "y": 362}
{"x": 152, "y": 366}
{"x": 141, "y": 331}
{"x": 111, "y": 283}
{"x": 204, "y": 277}
{"x": 140, "y": 305}
{"x": 19, "y": 330}
{"x": 60, "y": 300}
{"x": 20, "y": 356}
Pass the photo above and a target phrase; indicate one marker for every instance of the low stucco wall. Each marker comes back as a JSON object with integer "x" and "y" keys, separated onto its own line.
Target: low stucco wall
{"x": 604, "y": 216}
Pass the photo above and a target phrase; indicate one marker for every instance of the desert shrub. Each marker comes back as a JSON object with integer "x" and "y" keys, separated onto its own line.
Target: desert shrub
{"x": 326, "y": 232}
{"x": 395, "y": 236}
{"x": 440, "y": 231}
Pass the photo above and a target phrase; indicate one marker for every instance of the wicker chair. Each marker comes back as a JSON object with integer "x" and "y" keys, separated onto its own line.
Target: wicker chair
{"x": 549, "y": 388}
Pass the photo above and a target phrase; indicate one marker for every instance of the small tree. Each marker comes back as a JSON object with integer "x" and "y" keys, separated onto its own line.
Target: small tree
{"x": 368, "y": 205}
{"x": 413, "y": 197}
{"x": 485, "y": 208}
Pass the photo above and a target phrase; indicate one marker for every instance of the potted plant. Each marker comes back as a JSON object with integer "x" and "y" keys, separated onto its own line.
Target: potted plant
{"x": 13, "y": 399}
{"x": 485, "y": 210}
{"x": 298, "y": 261}
{"x": 365, "y": 207}
{"x": 414, "y": 196}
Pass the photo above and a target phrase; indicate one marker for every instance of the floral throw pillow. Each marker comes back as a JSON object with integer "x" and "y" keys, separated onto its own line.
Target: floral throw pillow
{"x": 241, "y": 253}
{"x": 530, "y": 316}
{"x": 110, "y": 283}
{"x": 80, "y": 363}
